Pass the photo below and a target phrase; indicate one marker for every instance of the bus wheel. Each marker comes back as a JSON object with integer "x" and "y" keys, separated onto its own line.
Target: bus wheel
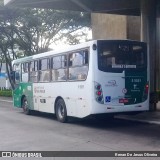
{"x": 61, "y": 112}
{"x": 25, "y": 106}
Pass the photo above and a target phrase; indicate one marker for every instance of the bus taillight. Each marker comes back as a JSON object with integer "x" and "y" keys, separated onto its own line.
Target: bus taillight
{"x": 98, "y": 87}
{"x": 98, "y": 93}
{"x": 146, "y": 89}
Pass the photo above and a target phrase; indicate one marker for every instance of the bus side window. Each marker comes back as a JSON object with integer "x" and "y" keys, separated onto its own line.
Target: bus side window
{"x": 44, "y": 72}
{"x": 31, "y": 66}
{"x": 25, "y": 72}
{"x": 59, "y": 68}
{"x": 25, "y": 67}
{"x": 79, "y": 68}
{"x": 33, "y": 71}
{"x": 44, "y": 64}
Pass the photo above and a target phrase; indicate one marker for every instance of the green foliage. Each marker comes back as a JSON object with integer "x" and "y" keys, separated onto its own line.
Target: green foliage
{"x": 34, "y": 30}
{"x": 25, "y": 32}
{"x": 6, "y": 93}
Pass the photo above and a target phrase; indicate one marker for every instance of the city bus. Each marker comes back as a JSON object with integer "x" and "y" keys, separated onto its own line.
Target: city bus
{"x": 99, "y": 77}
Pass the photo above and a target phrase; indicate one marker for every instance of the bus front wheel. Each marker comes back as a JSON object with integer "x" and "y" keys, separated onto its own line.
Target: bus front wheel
{"x": 61, "y": 112}
{"x": 25, "y": 106}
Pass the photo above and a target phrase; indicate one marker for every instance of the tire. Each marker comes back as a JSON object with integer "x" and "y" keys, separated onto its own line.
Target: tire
{"x": 61, "y": 112}
{"x": 25, "y": 106}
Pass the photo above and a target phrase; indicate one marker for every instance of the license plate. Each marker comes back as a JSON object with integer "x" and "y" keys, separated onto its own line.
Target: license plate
{"x": 123, "y": 100}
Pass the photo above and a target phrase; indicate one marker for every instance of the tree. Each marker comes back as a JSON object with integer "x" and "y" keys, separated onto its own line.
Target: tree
{"x": 34, "y": 30}
{"x": 25, "y": 32}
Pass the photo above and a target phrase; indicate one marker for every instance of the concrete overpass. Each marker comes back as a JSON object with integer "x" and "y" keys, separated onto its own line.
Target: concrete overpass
{"x": 123, "y": 7}
{"x": 148, "y": 10}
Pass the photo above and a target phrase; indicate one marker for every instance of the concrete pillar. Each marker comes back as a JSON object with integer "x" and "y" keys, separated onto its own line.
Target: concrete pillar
{"x": 133, "y": 27}
{"x": 158, "y": 53}
{"x": 148, "y": 34}
{"x": 109, "y": 26}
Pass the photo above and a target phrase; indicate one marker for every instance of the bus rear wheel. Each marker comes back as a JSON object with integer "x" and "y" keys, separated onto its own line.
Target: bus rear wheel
{"x": 61, "y": 112}
{"x": 25, "y": 106}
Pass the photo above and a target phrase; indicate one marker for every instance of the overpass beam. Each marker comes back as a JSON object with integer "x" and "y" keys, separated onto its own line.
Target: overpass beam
{"x": 148, "y": 34}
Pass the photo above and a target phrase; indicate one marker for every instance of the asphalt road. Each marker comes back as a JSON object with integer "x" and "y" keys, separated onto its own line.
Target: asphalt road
{"x": 42, "y": 132}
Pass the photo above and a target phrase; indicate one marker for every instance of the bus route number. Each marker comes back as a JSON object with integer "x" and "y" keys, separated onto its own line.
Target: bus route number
{"x": 136, "y": 80}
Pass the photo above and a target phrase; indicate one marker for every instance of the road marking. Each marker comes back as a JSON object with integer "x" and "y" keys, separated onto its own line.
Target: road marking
{"x": 5, "y": 101}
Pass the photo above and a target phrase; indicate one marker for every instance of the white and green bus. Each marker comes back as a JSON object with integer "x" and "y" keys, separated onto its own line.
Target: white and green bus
{"x": 93, "y": 78}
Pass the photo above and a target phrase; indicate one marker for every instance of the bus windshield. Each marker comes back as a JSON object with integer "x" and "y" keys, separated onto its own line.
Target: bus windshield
{"x": 120, "y": 56}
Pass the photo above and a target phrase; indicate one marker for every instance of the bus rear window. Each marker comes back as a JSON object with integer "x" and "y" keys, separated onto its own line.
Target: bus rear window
{"x": 116, "y": 57}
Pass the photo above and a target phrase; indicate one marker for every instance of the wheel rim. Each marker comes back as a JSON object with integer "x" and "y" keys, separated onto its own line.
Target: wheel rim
{"x": 61, "y": 111}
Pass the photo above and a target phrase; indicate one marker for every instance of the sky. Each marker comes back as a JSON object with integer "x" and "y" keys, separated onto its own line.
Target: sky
{"x": 61, "y": 43}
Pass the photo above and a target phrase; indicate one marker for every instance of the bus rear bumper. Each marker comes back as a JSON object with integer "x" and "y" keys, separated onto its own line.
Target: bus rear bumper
{"x": 102, "y": 108}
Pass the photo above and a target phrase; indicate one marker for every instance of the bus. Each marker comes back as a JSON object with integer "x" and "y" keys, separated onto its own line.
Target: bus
{"x": 99, "y": 77}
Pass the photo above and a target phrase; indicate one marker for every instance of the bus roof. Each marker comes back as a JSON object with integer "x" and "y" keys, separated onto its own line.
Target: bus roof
{"x": 65, "y": 50}
{"x": 54, "y": 52}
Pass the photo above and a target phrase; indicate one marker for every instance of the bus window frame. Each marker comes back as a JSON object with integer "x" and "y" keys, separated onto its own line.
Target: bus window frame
{"x": 79, "y": 66}
{"x": 35, "y": 70}
{"x": 120, "y": 70}
{"x": 59, "y": 79}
